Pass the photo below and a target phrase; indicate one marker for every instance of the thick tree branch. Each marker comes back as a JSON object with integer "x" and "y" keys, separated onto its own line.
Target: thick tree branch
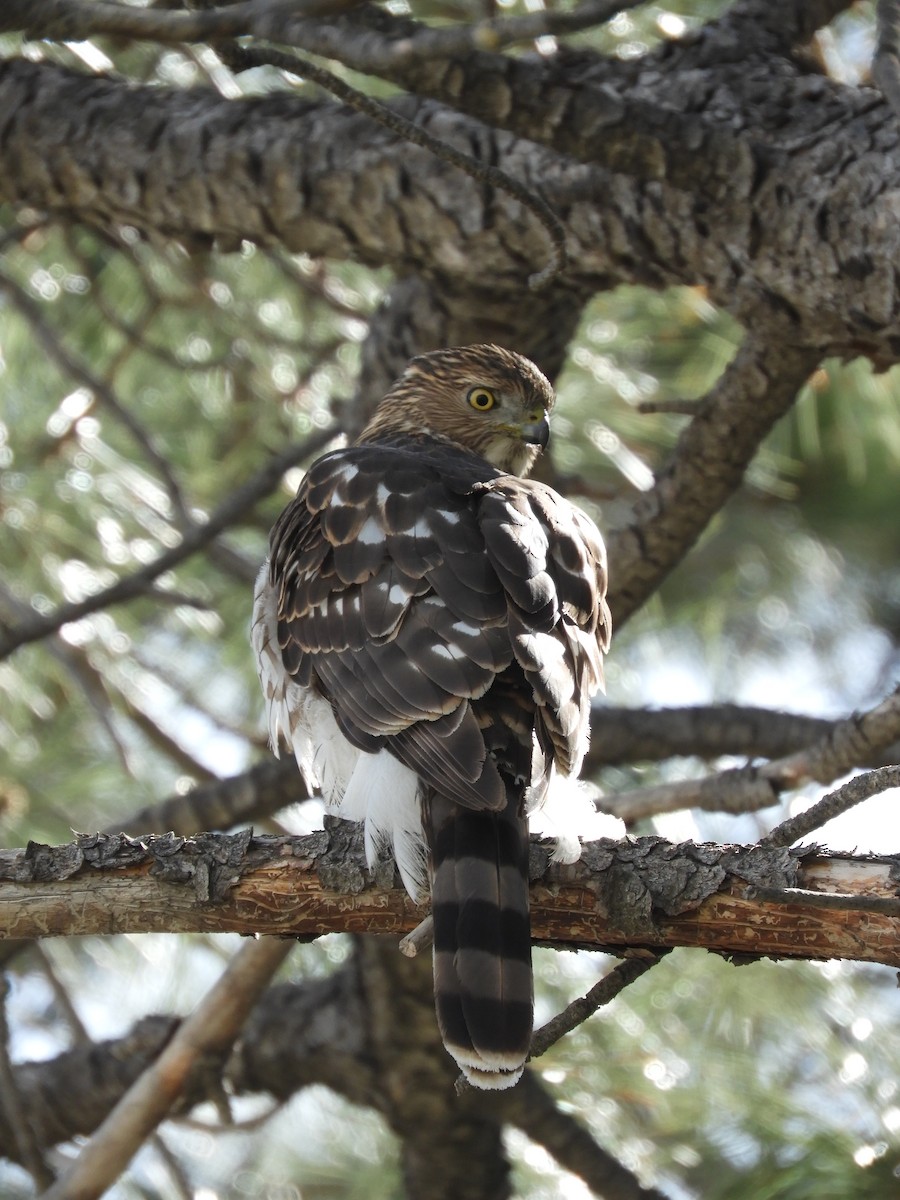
{"x": 240, "y": 59}
{"x": 647, "y": 893}
{"x": 97, "y": 1074}
{"x": 319, "y": 179}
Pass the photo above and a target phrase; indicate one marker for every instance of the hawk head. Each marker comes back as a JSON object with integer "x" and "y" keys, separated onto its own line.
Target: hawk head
{"x": 488, "y": 400}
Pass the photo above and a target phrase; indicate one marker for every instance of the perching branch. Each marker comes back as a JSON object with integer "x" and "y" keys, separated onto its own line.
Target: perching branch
{"x": 645, "y": 893}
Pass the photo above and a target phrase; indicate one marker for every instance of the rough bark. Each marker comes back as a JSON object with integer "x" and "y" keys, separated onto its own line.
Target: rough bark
{"x": 632, "y": 895}
{"x": 719, "y": 159}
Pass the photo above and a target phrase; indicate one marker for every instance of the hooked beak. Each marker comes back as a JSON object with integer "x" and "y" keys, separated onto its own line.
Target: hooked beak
{"x": 537, "y": 433}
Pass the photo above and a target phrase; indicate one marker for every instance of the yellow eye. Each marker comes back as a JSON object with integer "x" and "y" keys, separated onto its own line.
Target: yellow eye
{"x": 482, "y": 398}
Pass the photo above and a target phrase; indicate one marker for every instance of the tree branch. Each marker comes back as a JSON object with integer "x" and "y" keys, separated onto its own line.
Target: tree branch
{"x": 202, "y": 1040}
{"x": 863, "y": 787}
{"x": 240, "y": 59}
{"x": 707, "y": 466}
{"x": 847, "y": 744}
{"x": 532, "y": 1109}
{"x": 576, "y": 1013}
{"x": 632, "y": 735}
{"x": 28, "y": 1150}
{"x": 642, "y": 893}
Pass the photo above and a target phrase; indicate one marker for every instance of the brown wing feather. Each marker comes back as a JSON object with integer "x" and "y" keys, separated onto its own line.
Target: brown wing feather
{"x": 411, "y": 577}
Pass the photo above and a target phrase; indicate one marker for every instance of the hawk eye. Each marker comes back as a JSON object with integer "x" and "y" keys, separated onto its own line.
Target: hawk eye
{"x": 482, "y": 398}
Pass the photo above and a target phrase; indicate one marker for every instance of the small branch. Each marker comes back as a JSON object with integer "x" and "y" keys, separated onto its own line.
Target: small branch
{"x": 706, "y": 467}
{"x": 863, "y": 787}
{"x": 686, "y": 408}
{"x": 229, "y": 513}
{"x": 419, "y": 939}
{"x": 495, "y": 33}
{"x": 72, "y": 20}
{"x": 207, "y": 1034}
{"x": 264, "y": 789}
{"x": 576, "y": 1013}
{"x": 531, "y": 1107}
{"x": 736, "y": 790}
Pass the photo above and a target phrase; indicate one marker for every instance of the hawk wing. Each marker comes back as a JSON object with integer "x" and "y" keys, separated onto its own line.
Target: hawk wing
{"x": 454, "y": 617}
{"x": 409, "y": 577}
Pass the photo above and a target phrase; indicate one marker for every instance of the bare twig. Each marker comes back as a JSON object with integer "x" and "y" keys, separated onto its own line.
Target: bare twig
{"x": 681, "y": 407}
{"x": 576, "y": 1013}
{"x": 419, "y": 939}
{"x": 861, "y": 788}
{"x": 207, "y": 1034}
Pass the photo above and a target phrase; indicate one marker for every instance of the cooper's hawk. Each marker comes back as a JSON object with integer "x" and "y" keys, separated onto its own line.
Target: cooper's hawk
{"x": 430, "y": 629}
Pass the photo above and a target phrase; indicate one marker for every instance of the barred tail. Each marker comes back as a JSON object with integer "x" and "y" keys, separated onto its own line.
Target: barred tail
{"x": 482, "y": 938}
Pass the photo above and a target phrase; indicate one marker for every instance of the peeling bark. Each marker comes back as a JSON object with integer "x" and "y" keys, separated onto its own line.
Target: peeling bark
{"x": 641, "y": 893}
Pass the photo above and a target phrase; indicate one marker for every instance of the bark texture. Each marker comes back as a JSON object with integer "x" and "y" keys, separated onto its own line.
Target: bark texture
{"x": 626, "y": 896}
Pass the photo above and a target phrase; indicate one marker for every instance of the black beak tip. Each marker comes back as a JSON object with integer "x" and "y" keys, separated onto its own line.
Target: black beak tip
{"x": 538, "y": 434}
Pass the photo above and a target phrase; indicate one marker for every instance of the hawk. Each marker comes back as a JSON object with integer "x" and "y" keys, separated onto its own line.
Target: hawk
{"x": 429, "y": 628}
